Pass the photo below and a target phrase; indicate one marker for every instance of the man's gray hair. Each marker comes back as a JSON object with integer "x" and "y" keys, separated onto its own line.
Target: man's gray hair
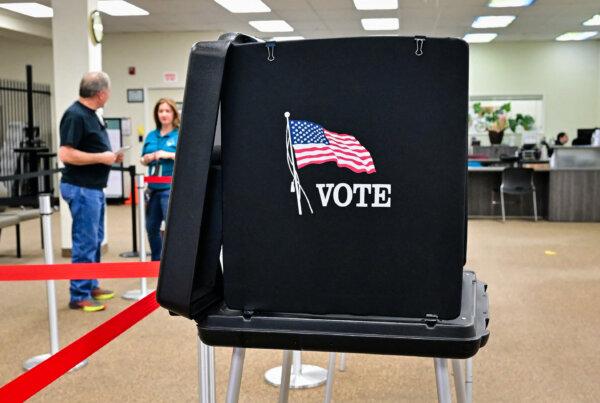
{"x": 92, "y": 83}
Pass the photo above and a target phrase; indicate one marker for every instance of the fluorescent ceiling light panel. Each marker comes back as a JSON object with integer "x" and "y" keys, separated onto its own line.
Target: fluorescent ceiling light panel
{"x": 493, "y": 21}
{"x": 376, "y": 4}
{"x": 510, "y": 3}
{"x": 36, "y": 10}
{"x": 595, "y": 20}
{"x": 380, "y": 24}
{"x": 480, "y": 38}
{"x": 576, "y": 36}
{"x": 272, "y": 26}
{"x": 120, "y": 8}
{"x": 286, "y": 38}
{"x": 244, "y": 6}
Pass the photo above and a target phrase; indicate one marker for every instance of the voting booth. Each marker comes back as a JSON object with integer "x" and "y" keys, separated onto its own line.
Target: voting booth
{"x": 337, "y": 197}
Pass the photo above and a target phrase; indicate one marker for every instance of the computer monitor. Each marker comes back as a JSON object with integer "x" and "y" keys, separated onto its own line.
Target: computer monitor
{"x": 584, "y": 137}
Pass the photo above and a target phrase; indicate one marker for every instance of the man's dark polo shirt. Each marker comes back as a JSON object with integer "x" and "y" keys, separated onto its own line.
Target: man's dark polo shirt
{"x": 81, "y": 129}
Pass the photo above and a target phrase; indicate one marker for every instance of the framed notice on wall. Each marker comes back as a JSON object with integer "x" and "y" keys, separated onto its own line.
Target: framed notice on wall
{"x": 135, "y": 95}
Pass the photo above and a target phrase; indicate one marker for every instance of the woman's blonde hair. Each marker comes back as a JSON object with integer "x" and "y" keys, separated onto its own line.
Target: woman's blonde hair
{"x": 173, "y": 105}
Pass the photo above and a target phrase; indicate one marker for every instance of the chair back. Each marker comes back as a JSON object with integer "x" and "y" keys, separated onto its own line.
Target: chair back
{"x": 517, "y": 180}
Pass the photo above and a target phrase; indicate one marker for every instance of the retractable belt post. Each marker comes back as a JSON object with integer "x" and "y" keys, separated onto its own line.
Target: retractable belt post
{"x": 46, "y": 213}
{"x": 143, "y": 291}
{"x": 303, "y": 376}
{"x": 134, "y": 250}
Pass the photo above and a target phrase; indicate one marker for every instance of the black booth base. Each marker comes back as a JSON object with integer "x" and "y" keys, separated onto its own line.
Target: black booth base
{"x": 427, "y": 337}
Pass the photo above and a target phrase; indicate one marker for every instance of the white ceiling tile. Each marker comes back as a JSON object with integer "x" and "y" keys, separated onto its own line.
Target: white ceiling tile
{"x": 545, "y": 20}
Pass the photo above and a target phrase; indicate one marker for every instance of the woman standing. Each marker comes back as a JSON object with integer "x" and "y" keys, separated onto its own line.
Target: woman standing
{"x": 158, "y": 154}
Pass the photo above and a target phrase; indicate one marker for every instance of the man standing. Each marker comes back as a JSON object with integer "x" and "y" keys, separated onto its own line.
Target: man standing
{"x": 86, "y": 152}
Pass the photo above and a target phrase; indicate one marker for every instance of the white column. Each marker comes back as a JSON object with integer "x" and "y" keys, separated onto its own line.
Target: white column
{"x": 75, "y": 53}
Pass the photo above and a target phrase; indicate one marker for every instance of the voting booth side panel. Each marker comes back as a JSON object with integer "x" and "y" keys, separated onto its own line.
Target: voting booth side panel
{"x": 368, "y": 217}
{"x": 190, "y": 275}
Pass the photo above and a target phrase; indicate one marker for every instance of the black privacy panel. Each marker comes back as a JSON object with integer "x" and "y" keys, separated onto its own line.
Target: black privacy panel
{"x": 376, "y": 145}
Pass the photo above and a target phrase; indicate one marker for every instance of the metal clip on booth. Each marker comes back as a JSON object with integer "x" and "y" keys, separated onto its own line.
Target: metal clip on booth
{"x": 365, "y": 254}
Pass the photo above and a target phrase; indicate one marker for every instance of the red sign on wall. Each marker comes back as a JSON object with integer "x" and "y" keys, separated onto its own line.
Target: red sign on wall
{"x": 170, "y": 77}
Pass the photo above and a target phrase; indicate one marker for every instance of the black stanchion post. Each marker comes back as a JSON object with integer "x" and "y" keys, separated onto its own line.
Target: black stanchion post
{"x": 134, "y": 251}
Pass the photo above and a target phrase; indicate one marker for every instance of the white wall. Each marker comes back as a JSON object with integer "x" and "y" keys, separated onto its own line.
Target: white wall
{"x": 151, "y": 54}
{"x": 16, "y": 53}
{"x": 567, "y": 75}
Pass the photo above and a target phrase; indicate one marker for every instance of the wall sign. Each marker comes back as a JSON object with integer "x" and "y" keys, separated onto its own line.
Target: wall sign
{"x": 170, "y": 77}
{"x": 135, "y": 95}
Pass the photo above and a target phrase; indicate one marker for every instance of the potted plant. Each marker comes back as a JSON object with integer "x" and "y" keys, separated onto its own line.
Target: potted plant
{"x": 525, "y": 121}
{"x": 496, "y": 120}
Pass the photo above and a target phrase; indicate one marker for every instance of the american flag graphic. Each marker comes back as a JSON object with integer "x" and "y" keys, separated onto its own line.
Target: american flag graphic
{"x": 313, "y": 144}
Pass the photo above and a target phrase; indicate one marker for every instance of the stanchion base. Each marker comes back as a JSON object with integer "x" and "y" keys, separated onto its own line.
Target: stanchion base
{"x": 135, "y": 295}
{"x": 33, "y": 361}
{"x": 311, "y": 376}
{"x": 129, "y": 254}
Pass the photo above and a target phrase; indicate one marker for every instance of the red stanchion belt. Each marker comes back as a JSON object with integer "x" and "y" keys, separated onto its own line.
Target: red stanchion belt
{"x": 69, "y": 271}
{"x": 158, "y": 179}
{"x": 31, "y": 382}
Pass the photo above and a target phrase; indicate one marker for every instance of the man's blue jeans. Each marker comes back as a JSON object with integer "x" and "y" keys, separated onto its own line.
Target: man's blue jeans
{"x": 87, "y": 232}
{"x": 156, "y": 212}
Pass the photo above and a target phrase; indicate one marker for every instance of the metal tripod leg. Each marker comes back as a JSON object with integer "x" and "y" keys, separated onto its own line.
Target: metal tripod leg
{"x": 459, "y": 381}
{"x": 286, "y": 370}
{"x": 330, "y": 376}
{"x": 211, "y": 375}
{"x": 441, "y": 380}
{"x": 342, "y": 362}
{"x": 235, "y": 375}
{"x": 469, "y": 380}
{"x": 206, "y": 368}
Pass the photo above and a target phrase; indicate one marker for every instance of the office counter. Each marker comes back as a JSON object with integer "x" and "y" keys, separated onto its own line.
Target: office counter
{"x": 563, "y": 194}
{"x": 574, "y": 195}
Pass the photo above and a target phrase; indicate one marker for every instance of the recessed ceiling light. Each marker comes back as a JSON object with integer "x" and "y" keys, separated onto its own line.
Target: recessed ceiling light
{"x": 286, "y": 38}
{"x": 510, "y": 3}
{"x": 576, "y": 36}
{"x": 272, "y": 26}
{"x": 493, "y": 21}
{"x": 380, "y": 24}
{"x": 120, "y": 8}
{"x": 244, "y": 6}
{"x": 376, "y": 4}
{"x": 479, "y": 38}
{"x": 36, "y": 10}
{"x": 595, "y": 20}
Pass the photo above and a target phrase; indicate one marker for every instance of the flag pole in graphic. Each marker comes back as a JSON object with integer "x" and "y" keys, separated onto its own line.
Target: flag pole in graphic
{"x": 295, "y": 186}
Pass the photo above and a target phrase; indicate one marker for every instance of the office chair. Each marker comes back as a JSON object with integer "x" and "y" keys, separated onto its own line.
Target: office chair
{"x": 517, "y": 181}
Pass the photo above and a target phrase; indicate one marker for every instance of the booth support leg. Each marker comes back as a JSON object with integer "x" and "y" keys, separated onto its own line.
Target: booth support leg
{"x": 459, "y": 381}
{"x": 469, "y": 380}
{"x": 203, "y": 372}
{"x": 211, "y": 374}
{"x": 286, "y": 369}
{"x": 441, "y": 380}
{"x": 342, "y": 362}
{"x": 206, "y": 368}
{"x": 235, "y": 375}
{"x": 330, "y": 377}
